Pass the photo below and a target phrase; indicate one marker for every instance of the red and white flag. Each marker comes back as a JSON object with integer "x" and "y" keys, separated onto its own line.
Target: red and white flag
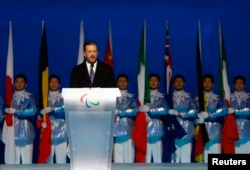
{"x": 108, "y": 58}
{"x": 8, "y": 127}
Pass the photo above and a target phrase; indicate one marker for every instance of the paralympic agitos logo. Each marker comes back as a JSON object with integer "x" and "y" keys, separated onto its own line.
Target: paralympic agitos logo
{"x": 88, "y": 102}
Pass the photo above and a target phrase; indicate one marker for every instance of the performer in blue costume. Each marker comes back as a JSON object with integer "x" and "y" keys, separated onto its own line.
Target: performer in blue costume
{"x": 216, "y": 110}
{"x": 185, "y": 109}
{"x": 24, "y": 108}
{"x": 58, "y": 125}
{"x": 240, "y": 102}
{"x": 155, "y": 109}
{"x": 126, "y": 110}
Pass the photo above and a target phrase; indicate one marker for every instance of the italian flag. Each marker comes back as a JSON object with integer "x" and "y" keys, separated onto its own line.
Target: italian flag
{"x": 139, "y": 134}
{"x": 142, "y": 71}
{"x": 229, "y": 130}
{"x": 224, "y": 88}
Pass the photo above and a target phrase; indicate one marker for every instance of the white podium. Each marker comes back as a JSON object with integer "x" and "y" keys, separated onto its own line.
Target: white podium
{"x": 90, "y": 120}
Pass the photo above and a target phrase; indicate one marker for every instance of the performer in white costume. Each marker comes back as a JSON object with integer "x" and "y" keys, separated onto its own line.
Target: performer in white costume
{"x": 185, "y": 110}
{"x": 216, "y": 110}
{"x": 126, "y": 105}
{"x": 240, "y": 102}
{"x": 58, "y": 125}
{"x": 23, "y": 108}
{"x": 155, "y": 109}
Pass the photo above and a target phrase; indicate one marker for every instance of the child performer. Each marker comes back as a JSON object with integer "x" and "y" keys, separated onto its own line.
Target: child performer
{"x": 23, "y": 108}
{"x": 58, "y": 125}
{"x": 124, "y": 120}
{"x": 185, "y": 110}
{"x": 240, "y": 102}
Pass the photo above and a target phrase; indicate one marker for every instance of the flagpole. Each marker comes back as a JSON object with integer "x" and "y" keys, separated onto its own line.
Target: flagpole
{"x": 81, "y": 40}
{"x": 42, "y": 25}
{"x": 168, "y": 60}
{"x": 144, "y": 54}
{"x": 145, "y": 38}
{"x": 220, "y": 40}
{"x": 199, "y": 28}
{"x": 44, "y": 102}
{"x": 167, "y": 79}
{"x": 110, "y": 37}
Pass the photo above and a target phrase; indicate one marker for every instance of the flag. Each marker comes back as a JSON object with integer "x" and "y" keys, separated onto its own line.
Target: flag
{"x": 139, "y": 134}
{"x": 229, "y": 135}
{"x": 168, "y": 69}
{"x": 142, "y": 71}
{"x": 224, "y": 89}
{"x": 108, "y": 58}
{"x": 45, "y": 140}
{"x": 201, "y": 132}
{"x": 168, "y": 61}
{"x": 81, "y": 42}
{"x": 199, "y": 71}
{"x": 229, "y": 130}
{"x": 8, "y": 128}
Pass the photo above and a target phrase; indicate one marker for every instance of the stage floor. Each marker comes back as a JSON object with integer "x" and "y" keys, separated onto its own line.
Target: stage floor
{"x": 115, "y": 166}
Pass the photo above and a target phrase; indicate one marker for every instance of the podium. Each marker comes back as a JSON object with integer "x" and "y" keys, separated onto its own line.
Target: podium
{"x": 89, "y": 116}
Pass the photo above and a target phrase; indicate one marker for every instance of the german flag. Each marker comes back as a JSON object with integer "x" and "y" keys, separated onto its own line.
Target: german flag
{"x": 45, "y": 141}
{"x": 201, "y": 132}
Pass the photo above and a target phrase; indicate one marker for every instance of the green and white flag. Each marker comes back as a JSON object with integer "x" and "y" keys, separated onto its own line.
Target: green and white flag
{"x": 142, "y": 72}
{"x": 224, "y": 88}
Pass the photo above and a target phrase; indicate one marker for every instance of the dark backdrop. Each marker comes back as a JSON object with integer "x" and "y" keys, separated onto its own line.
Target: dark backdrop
{"x": 62, "y": 19}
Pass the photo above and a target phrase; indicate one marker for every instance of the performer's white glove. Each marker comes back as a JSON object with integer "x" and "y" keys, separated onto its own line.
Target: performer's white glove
{"x": 160, "y": 109}
{"x": 245, "y": 109}
{"x": 10, "y": 110}
{"x": 218, "y": 111}
{"x": 129, "y": 110}
{"x": 44, "y": 125}
{"x": 46, "y": 110}
{"x": 191, "y": 111}
{"x": 173, "y": 112}
{"x": 116, "y": 111}
{"x": 144, "y": 108}
{"x": 202, "y": 116}
{"x": 230, "y": 110}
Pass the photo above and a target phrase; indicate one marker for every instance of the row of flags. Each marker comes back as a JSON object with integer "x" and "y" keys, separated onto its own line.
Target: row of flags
{"x": 139, "y": 135}
{"x": 142, "y": 81}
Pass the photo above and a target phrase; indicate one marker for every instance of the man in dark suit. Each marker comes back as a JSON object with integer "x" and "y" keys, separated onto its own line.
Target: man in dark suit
{"x": 81, "y": 75}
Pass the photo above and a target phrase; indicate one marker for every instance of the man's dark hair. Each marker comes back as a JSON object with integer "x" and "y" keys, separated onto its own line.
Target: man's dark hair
{"x": 56, "y": 77}
{"x": 89, "y": 43}
{"x": 208, "y": 76}
{"x": 178, "y": 76}
{"x": 122, "y": 75}
{"x": 239, "y": 77}
{"x": 21, "y": 75}
{"x": 154, "y": 75}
